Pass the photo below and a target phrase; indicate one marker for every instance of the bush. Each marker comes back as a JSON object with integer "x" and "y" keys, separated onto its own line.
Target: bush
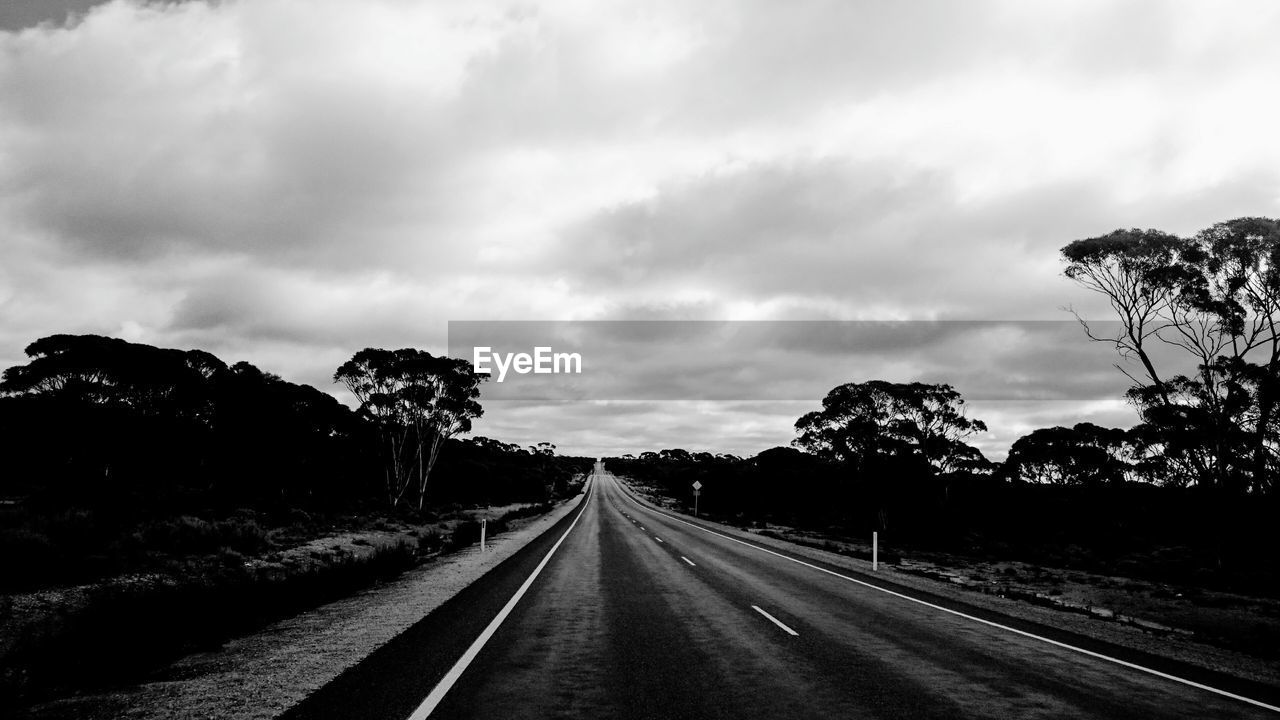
{"x": 183, "y": 535}
{"x": 541, "y": 508}
{"x": 82, "y": 647}
{"x": 463, "y": 534}
{"x": 243, "y": 535}
{"x": 429, "y": 541}
{"x": 187, "y": 535}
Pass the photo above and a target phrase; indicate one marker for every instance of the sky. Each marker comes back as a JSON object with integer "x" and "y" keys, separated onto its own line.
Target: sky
{"x": 289, "y": 181}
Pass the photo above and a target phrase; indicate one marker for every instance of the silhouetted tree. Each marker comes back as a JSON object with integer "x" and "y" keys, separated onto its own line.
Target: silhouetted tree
{"x": 109, "y": 371}
{"x": 861, "y": 423}
{"x": 416, "y": 401}
{"x": 1215, "y": 297}
{"x": 1085, "y": 454}
{"x": 121, "y": 422}
{"x": 676, "y": 455}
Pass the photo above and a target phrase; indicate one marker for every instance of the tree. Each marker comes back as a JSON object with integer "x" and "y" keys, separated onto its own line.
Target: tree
{"x": 676, "y": 455}
{"x": 416, "y": 401}
{"x": 496, "y": 446}
{"x": 862, "y": 422}
{"x": 115, "y": 421}
{"x": 109, "y": 371}
{"x": 1086, "y": 454}
{"x": 1129, "y": 268}
{"x": 1215, "y": 298}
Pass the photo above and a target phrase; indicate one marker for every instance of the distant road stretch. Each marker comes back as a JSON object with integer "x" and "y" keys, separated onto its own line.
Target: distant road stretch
{"x": 621, "y": 611}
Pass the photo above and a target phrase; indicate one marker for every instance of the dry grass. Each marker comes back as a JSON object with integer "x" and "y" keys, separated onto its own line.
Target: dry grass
{"x": 258, "y": 676}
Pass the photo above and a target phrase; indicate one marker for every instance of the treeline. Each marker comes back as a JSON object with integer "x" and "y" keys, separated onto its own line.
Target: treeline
{"x": 894, "y": 458}
{"x": 1134, "y": 529}
{"x": 1189, "y": 493}
{"x": 107, "y": 441}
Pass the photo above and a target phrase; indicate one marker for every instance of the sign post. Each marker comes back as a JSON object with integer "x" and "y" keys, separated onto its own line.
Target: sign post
{"x": 697, "y": 490}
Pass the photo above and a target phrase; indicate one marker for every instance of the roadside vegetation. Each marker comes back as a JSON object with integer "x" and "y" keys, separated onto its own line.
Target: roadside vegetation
{"x": 162, "y": 501}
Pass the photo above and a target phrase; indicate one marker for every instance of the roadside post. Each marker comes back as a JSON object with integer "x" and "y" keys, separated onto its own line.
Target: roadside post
{"x": 697, "y": 490}
{"x": 483, "y": 523}
{"x": 875, "y": 551}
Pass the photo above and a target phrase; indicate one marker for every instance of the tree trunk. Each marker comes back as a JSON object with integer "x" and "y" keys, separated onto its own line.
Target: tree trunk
{"x": 436, "y": 439}
{"x": 1266, "y": 406}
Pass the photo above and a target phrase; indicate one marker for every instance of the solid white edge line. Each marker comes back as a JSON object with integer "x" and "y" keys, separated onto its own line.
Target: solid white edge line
{"x": 446, "y": 683}
{"x": 775, "y": 620}
{"x": 1024, "y": 633}
{"x": 688, "y": 561}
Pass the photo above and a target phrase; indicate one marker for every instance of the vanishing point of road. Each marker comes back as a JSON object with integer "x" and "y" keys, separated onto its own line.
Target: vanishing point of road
{"x": 625, "y": 611}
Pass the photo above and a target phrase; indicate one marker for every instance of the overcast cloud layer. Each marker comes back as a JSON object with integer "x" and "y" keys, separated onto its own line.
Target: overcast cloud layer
{"x": 288, "y": 181}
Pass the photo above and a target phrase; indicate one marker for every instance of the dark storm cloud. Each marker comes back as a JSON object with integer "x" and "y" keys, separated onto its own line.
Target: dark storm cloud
{"x": 22, "y": 14}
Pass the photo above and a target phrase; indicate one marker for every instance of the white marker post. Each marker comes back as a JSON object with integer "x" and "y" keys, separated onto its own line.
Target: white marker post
{"x": 483, "y": 522}
{"x": 875, "y": 551}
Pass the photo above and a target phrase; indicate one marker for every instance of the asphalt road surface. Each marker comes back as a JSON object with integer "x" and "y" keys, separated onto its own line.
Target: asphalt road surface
{"x": 631, "y": 613}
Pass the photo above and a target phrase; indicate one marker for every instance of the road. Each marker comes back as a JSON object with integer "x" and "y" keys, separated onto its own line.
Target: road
{"x": 637, "y": 614}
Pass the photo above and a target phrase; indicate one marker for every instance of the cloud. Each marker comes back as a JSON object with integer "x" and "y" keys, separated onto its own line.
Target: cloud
{"x": 287, "y": 182}
{"x": 866, "y": 240}
{"x": 244, "y": 127}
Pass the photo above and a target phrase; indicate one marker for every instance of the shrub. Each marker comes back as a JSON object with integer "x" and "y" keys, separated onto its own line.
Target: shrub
{"x": 187, "y": 535}
{"x": 242, "y": 535}
{"x": 183, "y": 535}
{"x": 82, "y": 648}
{"x": 429, "y": 541}
{"x": 464, "y": 533}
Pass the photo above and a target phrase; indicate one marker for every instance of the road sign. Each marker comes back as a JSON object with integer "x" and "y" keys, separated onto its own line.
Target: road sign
{"x": 696, "y": 493}
{"x": 697, "y": 485}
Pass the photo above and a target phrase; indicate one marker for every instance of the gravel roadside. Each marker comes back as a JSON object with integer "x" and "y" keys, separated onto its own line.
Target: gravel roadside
{"x": 259, "y": 676}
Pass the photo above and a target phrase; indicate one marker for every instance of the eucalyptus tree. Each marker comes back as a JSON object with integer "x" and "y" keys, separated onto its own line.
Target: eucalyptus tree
{"x": 1085, "y": 454}
{"x": 1214, "y": 298}
{"x": 110, "y": 371}
{"x": 415, "y": 401}
{"x": 862, "y": 422}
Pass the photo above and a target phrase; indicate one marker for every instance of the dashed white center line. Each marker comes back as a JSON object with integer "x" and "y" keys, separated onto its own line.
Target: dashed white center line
{"x": 775, "y": 620}
{"x": 655, "y": 537}
{"x": 1006, "y": 628}
{"x": 688, "y": 561}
